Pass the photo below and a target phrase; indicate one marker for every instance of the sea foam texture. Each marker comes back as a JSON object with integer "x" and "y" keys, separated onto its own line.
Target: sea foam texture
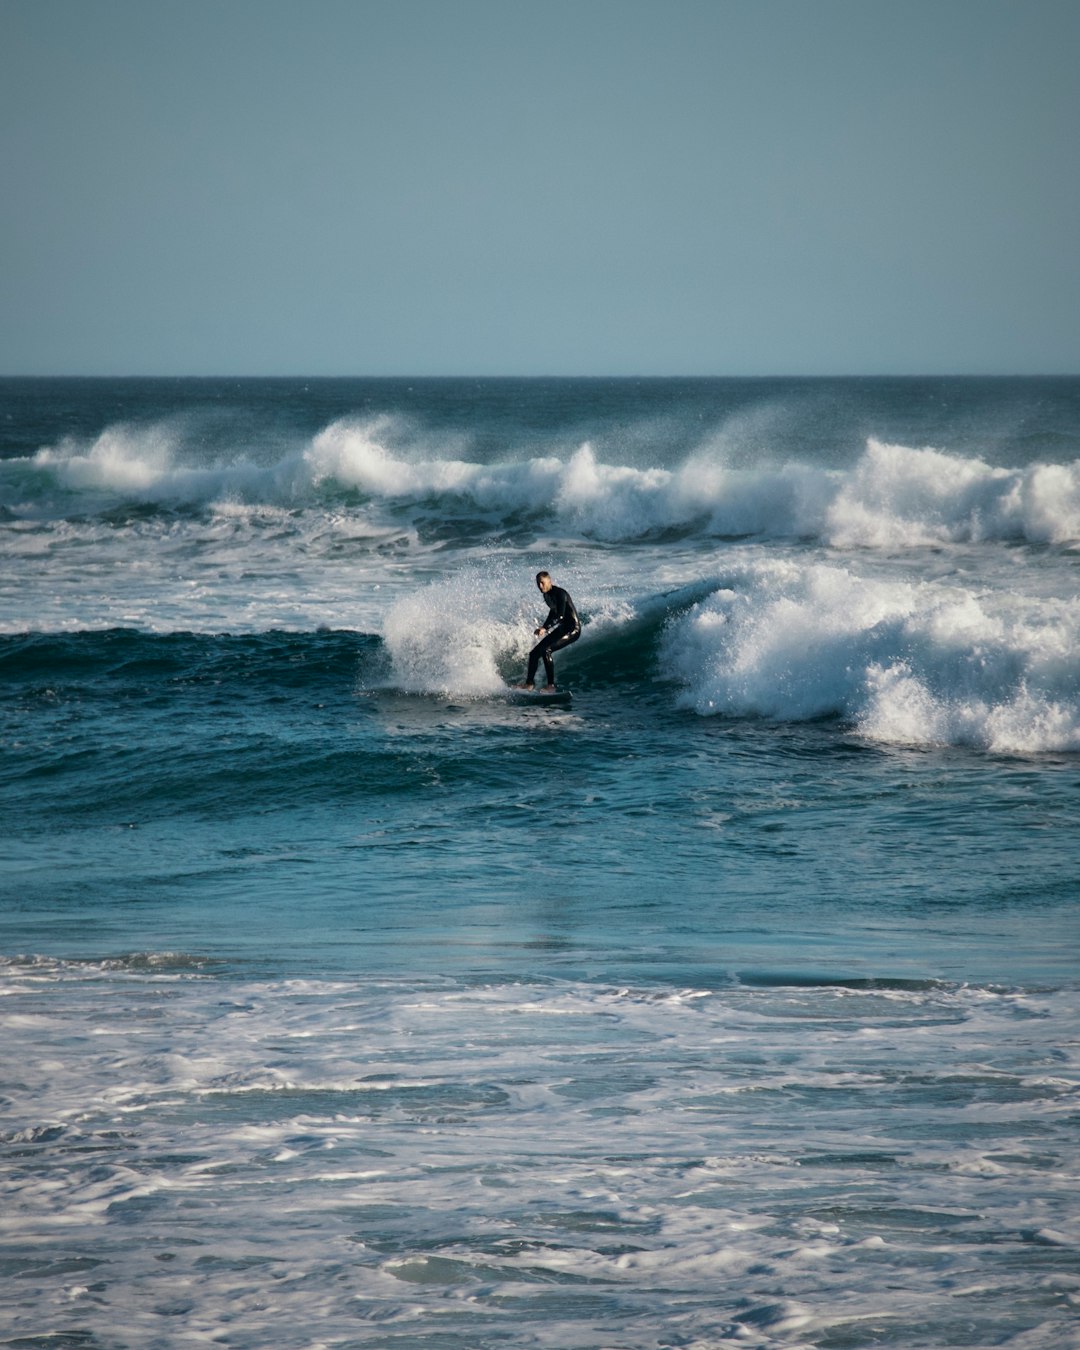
{"x": 907, "y": 662}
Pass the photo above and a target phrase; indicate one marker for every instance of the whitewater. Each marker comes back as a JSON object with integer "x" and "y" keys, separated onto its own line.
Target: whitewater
{"x": 344, "y": 1003}
{"x": 928, "y": 596}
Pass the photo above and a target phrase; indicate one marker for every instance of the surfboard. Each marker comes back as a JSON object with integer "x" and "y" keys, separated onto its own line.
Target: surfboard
{"x": 559, "y": 698}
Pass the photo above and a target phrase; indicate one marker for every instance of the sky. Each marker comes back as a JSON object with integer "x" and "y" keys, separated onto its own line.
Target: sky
{"x": 539, "y": 187}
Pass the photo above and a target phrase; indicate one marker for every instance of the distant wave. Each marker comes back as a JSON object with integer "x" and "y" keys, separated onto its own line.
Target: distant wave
{"x": 894, "y": 497}
{"x": 905, "y": 662}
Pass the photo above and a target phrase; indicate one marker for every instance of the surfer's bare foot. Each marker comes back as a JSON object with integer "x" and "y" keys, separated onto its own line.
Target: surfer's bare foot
{"x": 524, "y": 686}
{"x": 549, "y": 688}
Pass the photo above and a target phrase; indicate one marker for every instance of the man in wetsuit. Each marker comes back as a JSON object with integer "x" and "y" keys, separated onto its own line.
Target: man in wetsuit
{"x": 561, "y": 627}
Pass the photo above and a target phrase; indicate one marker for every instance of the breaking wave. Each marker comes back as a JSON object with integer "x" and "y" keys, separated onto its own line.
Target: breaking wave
{"x": 893, "y": 497}
{"x": 906, "y": 662}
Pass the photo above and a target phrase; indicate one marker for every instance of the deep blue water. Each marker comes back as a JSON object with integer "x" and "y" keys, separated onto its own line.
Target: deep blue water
{"x": 734, "y": 1004}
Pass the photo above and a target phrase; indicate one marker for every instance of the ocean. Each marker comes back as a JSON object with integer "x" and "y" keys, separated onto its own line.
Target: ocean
{"x": 346, "y": 1003}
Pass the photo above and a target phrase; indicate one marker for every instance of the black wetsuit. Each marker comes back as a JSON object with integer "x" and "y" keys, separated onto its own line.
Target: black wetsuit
{"x": 561, "y": 627}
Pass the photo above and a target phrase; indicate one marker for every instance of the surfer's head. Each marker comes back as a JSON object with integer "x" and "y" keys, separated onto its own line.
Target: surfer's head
{"x": 543, "y": 580}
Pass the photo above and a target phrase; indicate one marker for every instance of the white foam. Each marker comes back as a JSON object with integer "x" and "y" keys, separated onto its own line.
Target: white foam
{"x": 415, "y": 1152}
{"x": 899, "y": 497}
{"x": 354, "y": 454}
{"x": 907, "y": 662}
{"x": 894, "y": 496}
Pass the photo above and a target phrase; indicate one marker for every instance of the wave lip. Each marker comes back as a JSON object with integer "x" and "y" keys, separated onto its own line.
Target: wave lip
{"x": 905, "y": 662}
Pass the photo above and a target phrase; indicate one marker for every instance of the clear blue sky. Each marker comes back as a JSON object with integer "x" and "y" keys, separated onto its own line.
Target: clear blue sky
{"x": 539, "y": 186}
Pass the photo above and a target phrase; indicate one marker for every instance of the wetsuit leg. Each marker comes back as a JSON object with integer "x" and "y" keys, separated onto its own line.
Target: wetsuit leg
{"x": 553, "y": 642}
{"x": 534, "y": 660}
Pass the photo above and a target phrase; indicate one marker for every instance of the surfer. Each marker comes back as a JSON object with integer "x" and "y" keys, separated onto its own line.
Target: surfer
{"x": 561, "y": 627}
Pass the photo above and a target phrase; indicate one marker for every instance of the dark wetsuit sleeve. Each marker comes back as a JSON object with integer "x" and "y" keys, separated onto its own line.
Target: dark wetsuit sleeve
{"x": 561, "y": 612}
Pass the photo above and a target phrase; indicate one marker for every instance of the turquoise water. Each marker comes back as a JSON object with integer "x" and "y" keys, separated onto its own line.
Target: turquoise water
{"x": 346, "y": 1003}
{"x": 247, "y": 798}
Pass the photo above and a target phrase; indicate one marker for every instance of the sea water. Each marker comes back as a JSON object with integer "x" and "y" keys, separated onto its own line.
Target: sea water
{"x": 346, "y": 1004}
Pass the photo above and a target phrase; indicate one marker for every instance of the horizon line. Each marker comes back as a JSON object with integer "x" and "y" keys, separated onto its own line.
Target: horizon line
{"x": 492, "y": 375}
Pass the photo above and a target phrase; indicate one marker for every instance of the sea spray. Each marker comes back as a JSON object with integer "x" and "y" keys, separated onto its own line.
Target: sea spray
{"x": 458, "y": 636}
{"x": 154, "y": 464}
{"x": 893, "y": 496}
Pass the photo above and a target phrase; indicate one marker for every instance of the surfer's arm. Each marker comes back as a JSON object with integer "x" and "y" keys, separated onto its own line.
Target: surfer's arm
{"x": 546, "y": 625}
{"x": 558, "y": 605}
{"x": 562, "y": 615}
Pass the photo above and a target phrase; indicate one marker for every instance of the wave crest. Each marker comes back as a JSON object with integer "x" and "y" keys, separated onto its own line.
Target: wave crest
{"x": 897, "y": 496}
{"x": 893, "y": 497}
